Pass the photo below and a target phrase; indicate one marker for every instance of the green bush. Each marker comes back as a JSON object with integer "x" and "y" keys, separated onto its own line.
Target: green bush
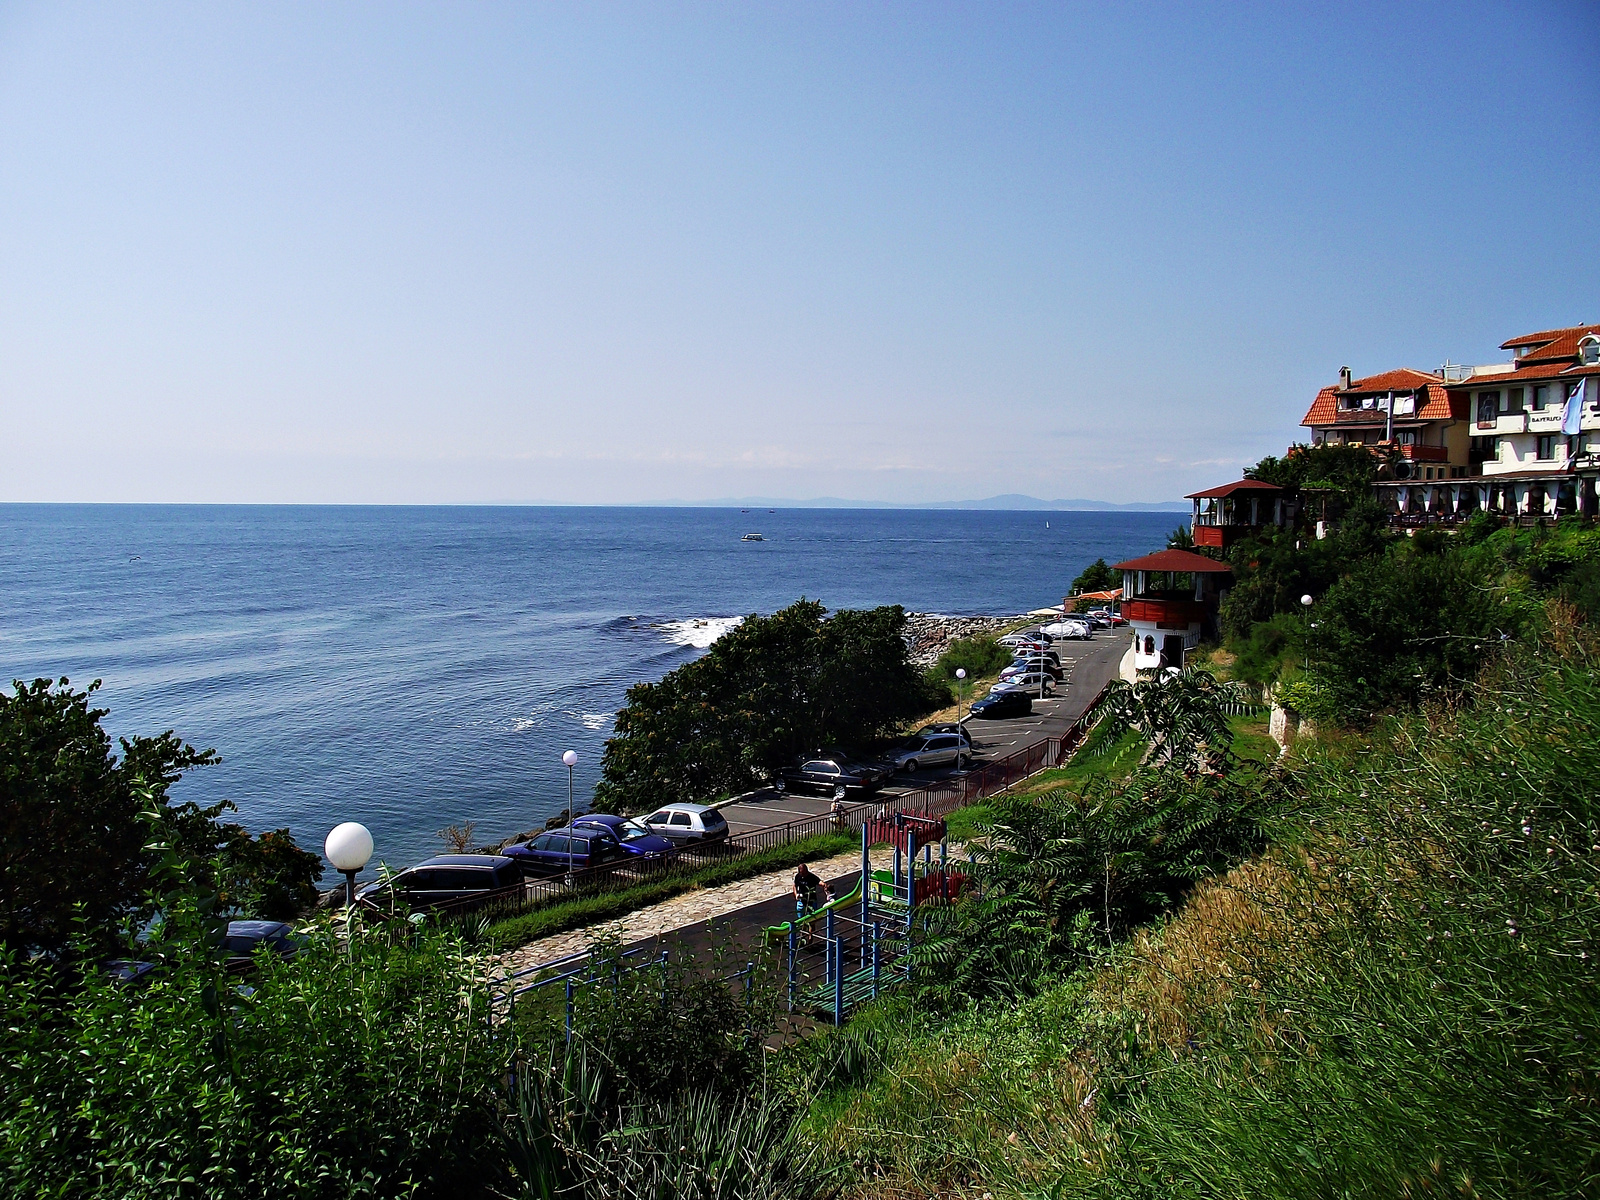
{"x": 703, "y": 1144}
{"x": 1272, "y": 648}
{"x": 979, "y": 656}
{"x": 1068, "y": 871}
{"x": 64, "y": 796}
{"x": 364, "y": 1067}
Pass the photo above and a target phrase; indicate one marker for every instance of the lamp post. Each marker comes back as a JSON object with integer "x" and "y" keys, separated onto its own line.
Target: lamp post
{"x": 571, "y": 759}
{"x": 1305, "y": 603}
{"x": 349, "y": 848}
{"x": 961, "y": 697}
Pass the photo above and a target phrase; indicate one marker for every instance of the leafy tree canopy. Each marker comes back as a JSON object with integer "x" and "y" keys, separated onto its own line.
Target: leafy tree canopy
{"x": 1348, "y": 470}
{"x": 1098, "y": 576}
{"x": 1401, "y": 626}
{"x": 769, "y": 689}
{"x": 72, "y": 841}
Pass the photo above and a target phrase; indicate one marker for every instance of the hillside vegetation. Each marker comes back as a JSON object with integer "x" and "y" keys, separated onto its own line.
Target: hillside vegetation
{"x": 1399, "y": 996}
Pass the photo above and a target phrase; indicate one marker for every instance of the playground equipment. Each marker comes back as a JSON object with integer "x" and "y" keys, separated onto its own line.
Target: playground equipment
{"x": 775, "y": 933}
{"x": 864, "y": 955}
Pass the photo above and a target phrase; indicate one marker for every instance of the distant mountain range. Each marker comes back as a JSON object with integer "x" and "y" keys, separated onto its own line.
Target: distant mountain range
{"x": 1009, "y": 503}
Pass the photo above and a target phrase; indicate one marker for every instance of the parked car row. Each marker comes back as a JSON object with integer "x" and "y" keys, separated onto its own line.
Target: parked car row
{"x": 593, "y": 840}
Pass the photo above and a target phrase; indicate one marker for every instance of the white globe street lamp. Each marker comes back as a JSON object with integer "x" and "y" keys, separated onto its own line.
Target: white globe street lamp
{"x": 349, "y": 848}
{"x": 571, "y": 759}
{"x": 1306, "y": 599}
{"x": 961, "y": 683}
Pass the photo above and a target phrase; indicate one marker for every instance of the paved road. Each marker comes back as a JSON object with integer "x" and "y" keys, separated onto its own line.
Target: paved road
{"x": 1089, "y": 664}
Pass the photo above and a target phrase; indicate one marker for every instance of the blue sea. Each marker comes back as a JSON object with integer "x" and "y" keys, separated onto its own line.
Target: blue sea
{"x": 412, "y": 668}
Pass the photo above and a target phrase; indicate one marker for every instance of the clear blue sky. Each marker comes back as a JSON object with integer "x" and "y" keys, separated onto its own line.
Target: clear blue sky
{"x": 614, "y": 253}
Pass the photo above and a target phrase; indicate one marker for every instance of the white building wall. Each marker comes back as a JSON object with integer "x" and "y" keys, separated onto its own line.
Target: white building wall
{"x": 1152, "y": 661}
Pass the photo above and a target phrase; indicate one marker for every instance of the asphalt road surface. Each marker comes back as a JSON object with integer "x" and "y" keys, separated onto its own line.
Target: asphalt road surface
{"x": 1089, "y": 666}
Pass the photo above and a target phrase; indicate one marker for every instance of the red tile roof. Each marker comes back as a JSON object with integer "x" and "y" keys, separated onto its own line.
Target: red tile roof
{"x": 1174, "y": 560}
{"x": 1438, "y": 405}
{"x": 1228, "y": 489}
{"x": 1555, "y": 370}
{"x": 1552, "y": 343}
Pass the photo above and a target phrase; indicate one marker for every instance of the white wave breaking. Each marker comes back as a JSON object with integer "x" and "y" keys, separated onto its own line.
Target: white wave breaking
{"x": 698, "y": 632}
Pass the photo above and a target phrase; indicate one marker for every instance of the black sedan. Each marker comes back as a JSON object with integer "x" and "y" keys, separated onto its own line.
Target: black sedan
{"x": 833, "y": 776}
{"x": 1008, "y": 703}
{"x": 244, "y": 936}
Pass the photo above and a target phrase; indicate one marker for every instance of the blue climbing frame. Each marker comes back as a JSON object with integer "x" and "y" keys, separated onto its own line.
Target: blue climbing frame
{"x": 877, "y": 940}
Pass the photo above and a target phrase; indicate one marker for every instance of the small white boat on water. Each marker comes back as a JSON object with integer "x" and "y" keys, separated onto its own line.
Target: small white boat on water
{"x": 752, "y": 537}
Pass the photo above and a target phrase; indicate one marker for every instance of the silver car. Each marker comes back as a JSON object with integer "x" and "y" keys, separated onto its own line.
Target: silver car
{"x": 935, "y": 750}
{"x": 686, "y": 823}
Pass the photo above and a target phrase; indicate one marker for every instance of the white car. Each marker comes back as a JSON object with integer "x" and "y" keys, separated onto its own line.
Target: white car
{"x": 1072, "y": 629}
{"x": 936, "y": 750}
{"x": 1030, "y": 637}
{"x": 686, "y": 823}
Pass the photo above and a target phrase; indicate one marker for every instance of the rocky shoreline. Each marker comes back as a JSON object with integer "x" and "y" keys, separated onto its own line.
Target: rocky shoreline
{"x": 928, "y": 635}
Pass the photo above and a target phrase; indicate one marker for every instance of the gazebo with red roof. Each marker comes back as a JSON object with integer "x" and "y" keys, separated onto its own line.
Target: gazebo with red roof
{"x": 1170, "y": 600}
{"x": 1223, "y": 515}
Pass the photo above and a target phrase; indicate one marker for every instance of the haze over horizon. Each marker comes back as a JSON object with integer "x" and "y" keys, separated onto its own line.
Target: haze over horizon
{"x": 906, "y": 254}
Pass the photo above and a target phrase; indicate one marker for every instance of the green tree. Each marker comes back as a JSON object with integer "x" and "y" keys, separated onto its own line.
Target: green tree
{"x": 1098, "y": 576}
{"x": 1181, "y": 538}
{"x": 1401, "y": 626}
{"x": 365, "y": 1066}
{"x": 769, "y": 689}
{"x": 1183, "y": 717}
{"x": 72, "y": 843}
{"x": 1345, "y": 471}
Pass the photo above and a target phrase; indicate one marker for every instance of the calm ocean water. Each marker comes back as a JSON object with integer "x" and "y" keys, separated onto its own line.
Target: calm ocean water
{"x": 415, "y": 667}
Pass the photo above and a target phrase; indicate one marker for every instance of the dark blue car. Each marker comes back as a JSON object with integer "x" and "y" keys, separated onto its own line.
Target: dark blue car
{"x": 634, "y": 839}
{"x": 574, "y": 848}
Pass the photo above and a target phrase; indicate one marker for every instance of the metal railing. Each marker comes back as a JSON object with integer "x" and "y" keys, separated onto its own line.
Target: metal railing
{"x": 932, "y": 800}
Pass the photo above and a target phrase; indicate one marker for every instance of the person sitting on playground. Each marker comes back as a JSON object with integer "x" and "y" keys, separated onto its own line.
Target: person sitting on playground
{"x": 806, "y": 888}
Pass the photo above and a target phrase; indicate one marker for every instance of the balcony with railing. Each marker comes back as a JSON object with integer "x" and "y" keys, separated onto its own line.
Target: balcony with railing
{"x": 1165, "y": 610}
{"x": 1427, "y": 454}
{"x": 1511, "y": 422}
{"x": 1545, "y": 420}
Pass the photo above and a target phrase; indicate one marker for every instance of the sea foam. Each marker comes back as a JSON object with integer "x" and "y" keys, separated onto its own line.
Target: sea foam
{"x": 699, "y": 632}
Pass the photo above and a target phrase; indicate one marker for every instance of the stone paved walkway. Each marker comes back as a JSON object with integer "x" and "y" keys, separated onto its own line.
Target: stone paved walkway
{"x": 691, "y": 908}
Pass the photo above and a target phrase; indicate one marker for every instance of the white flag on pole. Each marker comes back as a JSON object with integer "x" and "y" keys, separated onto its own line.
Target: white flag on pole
{"x": 1572, "y": 416}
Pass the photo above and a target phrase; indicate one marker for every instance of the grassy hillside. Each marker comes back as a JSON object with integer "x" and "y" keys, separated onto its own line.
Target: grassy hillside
{"x": 1399, "y": 997}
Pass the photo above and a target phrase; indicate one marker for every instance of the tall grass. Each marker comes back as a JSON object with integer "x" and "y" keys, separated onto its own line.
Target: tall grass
{"x": 1399, "y": 998}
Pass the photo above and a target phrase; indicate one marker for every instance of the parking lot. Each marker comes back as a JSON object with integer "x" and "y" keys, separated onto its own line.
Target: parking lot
{"x": 1089, "y": 665}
